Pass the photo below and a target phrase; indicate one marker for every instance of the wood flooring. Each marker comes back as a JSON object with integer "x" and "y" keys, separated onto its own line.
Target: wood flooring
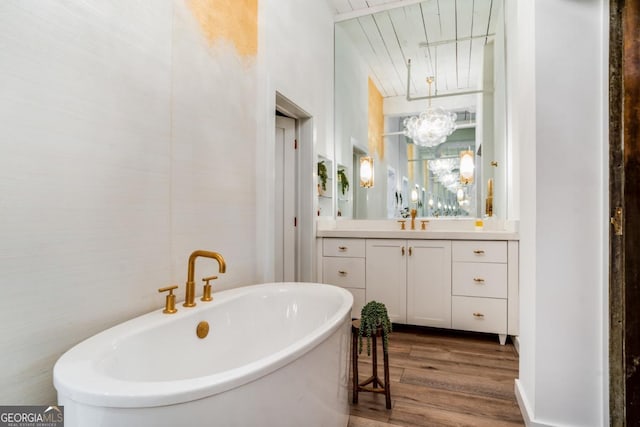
{"x": 441, "y": 378}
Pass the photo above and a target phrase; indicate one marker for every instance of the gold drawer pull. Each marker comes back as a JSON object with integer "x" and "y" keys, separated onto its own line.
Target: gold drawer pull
{"x": 342, "y": 248}
{"x": 478, "y": 315}
{"x": 410, "y": 251}
{"x": 402, "y": 250}
{"x": 478, "y": 252}
{"x": 342, "y": 273}
{"x": 478, "y": 279}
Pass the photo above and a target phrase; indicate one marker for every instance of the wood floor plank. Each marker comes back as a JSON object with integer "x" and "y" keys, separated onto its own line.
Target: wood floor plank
{"x": 483, "y": 406}
{"x": 440, "y": 379}
{"x": 445, "y": 354}
{"x": 407, "y": 414}
{"x": 501, "y": 388}
{"x": 355, "y": 421}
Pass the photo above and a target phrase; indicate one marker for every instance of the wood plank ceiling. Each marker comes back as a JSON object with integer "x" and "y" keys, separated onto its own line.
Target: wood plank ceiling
{"x": 443, "y": 39}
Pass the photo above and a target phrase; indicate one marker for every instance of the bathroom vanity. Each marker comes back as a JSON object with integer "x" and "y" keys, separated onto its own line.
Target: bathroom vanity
{"x": 455, "y": 279}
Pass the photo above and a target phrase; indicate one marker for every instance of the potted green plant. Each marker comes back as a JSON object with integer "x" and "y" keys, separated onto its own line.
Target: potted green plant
{"x": 373, "y": 316}
{"x": 323, "y": 176}
{"x": 343, "y": 180}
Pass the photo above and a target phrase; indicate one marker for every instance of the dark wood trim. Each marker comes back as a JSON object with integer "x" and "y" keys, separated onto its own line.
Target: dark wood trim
{"x": 631, "y": 185}
{"x": 624, "y": 173}
{"x": 616, "y": 243}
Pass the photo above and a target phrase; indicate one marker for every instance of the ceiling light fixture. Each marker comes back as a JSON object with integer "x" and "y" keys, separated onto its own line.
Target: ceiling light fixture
{"x": 431, "y": 127}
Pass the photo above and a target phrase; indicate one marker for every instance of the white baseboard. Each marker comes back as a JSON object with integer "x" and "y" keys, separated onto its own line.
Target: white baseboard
{"x": 516, "y": 343}
{"x": 525, "y": 408}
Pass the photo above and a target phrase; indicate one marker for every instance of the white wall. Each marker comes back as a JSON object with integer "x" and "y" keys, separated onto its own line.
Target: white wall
{"x": 128, "y": 141}
{"x": 295, "y": 59}
{"x": 563, "y": 343}
{"x": 352, "y": 96}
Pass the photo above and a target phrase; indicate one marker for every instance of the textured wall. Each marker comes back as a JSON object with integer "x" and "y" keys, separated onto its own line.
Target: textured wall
{"x": 127, "y": 142}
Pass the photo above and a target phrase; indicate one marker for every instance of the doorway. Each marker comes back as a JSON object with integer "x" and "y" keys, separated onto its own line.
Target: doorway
{"x": 285, "y": 199}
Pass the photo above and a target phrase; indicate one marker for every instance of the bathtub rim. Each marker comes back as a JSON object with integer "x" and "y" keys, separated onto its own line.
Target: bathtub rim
{"x": 75, "y": 376}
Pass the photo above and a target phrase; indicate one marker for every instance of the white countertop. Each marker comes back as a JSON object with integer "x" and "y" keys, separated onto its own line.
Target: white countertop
{"x": 421, "y": 234}
{"x": 436, "y": 230}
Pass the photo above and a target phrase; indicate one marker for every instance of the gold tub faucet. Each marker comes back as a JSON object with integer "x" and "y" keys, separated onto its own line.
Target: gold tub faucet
{"x": 190, "y": 295}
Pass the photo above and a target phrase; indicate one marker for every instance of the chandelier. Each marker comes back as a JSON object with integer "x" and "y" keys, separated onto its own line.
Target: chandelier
{"x": 431, "y": 127}
{"x": 443, "y": 165}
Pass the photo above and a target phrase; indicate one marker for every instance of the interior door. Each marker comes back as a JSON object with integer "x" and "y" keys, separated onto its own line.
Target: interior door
{"x": 285, "y": 200}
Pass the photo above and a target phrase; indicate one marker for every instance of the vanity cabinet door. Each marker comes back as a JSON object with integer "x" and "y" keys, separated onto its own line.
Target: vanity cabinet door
{"x": 386, "y": 271}
{"x": 429, "y": 283}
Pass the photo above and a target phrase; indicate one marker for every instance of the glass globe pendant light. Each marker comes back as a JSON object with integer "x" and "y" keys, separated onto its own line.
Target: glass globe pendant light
{"x": 431, "y": 127}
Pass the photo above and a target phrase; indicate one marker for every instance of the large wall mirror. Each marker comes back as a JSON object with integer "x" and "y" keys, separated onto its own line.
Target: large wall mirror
{"x": 401, "y": 75}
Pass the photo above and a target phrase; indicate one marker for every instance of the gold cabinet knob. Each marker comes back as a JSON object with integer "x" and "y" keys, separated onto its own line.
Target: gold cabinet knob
{"x": 170, "y": 301}
{"x": 206, "y": 292}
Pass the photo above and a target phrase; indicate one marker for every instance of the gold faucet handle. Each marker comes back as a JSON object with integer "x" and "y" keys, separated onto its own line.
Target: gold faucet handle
{"x": 423, "y": 225}
{"x": 206, "y": 293}
{"x": 402, "y": 221}
{"x": 170, "y": 302}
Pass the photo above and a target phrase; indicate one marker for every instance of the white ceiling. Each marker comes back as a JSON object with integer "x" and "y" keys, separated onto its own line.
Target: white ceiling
{"x": 389, "y": 38}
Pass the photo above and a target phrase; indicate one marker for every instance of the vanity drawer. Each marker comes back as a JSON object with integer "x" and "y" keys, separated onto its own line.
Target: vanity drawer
{"x": 345, "y": 272}
{"x": 479, "y": 314}
{"x": 343, "y": 247}
{"x": 479, "y": 251}
{"x": 479, "y": 279}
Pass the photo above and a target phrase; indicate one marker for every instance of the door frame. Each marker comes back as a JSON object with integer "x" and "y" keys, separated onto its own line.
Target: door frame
{"x": 286, "y": 173}
{"x": 624, "y": 193}
{"x": 305, "y": 244}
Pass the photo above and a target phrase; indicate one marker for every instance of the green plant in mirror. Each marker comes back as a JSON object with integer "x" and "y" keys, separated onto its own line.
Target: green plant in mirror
{"x": 322, "y": 174}
{"x": 373, "y": 316}
{"x": 343, "y": 180}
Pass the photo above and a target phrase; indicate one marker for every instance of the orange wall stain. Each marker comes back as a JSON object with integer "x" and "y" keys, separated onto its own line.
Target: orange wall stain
{"x": 232, "y": 20}
{"x": 376, "y": 121}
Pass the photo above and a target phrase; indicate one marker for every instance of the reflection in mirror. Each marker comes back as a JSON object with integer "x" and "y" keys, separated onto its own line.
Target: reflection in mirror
{"x": 391, "y": 69}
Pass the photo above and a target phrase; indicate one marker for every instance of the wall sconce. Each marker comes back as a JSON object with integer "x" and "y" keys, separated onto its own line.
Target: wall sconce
{"x": 466, "y": 167}
{"x": 366, "y": 172}
{"x": 414, "y": 195}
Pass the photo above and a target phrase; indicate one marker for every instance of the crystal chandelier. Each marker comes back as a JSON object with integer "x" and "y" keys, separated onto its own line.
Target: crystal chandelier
{"x": 432, "y": 127}
{"x": 443, "y": 165}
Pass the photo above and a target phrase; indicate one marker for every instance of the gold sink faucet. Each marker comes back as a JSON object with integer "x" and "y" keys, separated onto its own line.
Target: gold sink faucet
{"x": 190, "y": 294}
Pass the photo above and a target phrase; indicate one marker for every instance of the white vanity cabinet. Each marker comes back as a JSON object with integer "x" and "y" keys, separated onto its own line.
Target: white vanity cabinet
{"x": 343, "y": 264}
{"x": 386, "y": 272}
{"x": 412, "y": 278}
{"x": 479, "y": 287}
{"x": 429, "y": 283}
{"x": 445, "y": 283}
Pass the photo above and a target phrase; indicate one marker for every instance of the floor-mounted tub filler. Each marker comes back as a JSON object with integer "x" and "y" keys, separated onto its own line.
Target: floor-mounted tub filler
{"x": 274, "y": 355}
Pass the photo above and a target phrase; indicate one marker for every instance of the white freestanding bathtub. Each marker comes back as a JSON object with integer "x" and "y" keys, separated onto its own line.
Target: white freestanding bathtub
{"x": 276, "y": 355}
